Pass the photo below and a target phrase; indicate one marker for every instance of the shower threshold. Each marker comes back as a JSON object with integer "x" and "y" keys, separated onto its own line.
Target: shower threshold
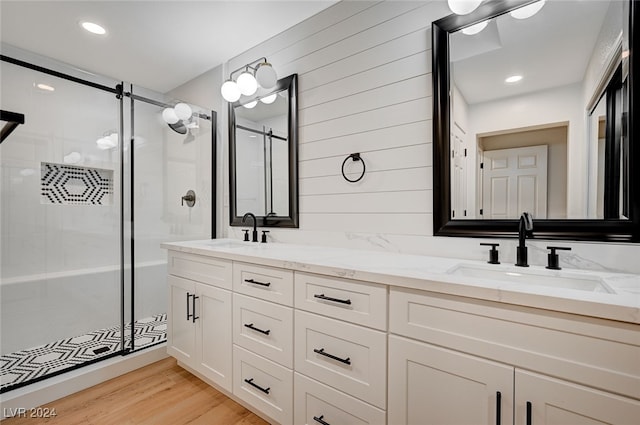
{"x": 33, "y": 364}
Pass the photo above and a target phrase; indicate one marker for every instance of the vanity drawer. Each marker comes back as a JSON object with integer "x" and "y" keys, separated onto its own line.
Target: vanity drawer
{"x": 264, "y": 328}
{"x": 263, "y": 384}
{"x": 595, "y": 352}
{"x": 316, "y": 400}
{"x": 345, "y": 356}
{"x": 357, "y": 302}
{"x": 211, "y": 271}
{"x": 268, "y": 283}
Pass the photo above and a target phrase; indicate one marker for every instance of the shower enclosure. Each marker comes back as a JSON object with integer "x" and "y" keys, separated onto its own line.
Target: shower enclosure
{"x": 91, "y": 183}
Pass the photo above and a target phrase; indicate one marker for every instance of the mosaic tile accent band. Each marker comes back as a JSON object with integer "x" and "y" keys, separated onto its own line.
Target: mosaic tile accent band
{"x": 33, "y": 363}
{"x": 72, "y": 185}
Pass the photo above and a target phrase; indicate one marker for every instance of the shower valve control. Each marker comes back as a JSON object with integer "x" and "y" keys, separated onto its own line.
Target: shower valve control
{"x": 190, "y": 197}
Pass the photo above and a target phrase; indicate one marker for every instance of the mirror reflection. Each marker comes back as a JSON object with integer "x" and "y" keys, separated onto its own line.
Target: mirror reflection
{"x": 262, "y": 156}
{"x": 538, "y": 109}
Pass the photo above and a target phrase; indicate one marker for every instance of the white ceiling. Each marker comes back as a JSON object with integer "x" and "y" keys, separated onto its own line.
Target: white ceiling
{"x": 155, "y": 44}
{"x": 550, "y": 49}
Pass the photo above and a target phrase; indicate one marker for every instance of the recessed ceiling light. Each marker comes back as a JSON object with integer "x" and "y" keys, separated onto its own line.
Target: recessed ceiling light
{"x": 93, "y": 28}
{"x": 44, "y": 87}
{"x": 513, "y": 79}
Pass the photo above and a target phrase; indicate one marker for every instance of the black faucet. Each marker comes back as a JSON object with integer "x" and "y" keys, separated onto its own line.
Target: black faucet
{"x": 524, "y": 228}
{"x": 255, "y": 225}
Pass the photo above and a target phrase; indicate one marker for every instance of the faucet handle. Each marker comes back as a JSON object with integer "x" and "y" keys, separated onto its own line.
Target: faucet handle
{"x": 246, "y": 235}
{"x": 264, "y": 236}
{"x": 493, "y": 252}
{"x": 554, "y": 262}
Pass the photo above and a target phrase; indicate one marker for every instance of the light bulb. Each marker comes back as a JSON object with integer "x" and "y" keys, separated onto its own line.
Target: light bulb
{"x": 169, "y": 116}
{"x": 230, "y": 91}
{"x": 527, "y": 11}
{"x": 183, "y": 111}
{"x": 269, "y": 99}
{"x": 475, "y": 29}
{"x": 266, "y": 76}
{"x": 463, "y": 7}
{"x": 251, "y": 105}
{"x": 247, "y": 83}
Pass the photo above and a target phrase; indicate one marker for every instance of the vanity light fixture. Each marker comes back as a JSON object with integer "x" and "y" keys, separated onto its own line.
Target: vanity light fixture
{"x": 93, "y": 28}
{"x": 527, "y": 11}
{"x": 251, "y": 104}
{"x": 513, "y": 79}
{"x": 463, "y": 7}
{"x": 108, "y": 141}
{"x": 475, "y": 29}
{"x": 269, "y": 99}
{"x": 258, "y": 73}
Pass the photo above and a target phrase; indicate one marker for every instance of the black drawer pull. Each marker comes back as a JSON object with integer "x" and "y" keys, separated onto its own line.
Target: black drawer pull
{"x": 319, "y": 420}
{"x": 331, "y": 356}
{"x": 250, "y": 326}
{"x": 188, "y": 314}
{"x": 255, "y": 282}
{"x": 264, "y": 390}
{"x": 193, "y": 305}
{"x": 529, "y": 420}
{"x": 498, "y": 407}
{"x": 335, "y": 300}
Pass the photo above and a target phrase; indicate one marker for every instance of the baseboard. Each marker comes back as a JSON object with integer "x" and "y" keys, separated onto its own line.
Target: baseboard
{"x": 54, "y": 388}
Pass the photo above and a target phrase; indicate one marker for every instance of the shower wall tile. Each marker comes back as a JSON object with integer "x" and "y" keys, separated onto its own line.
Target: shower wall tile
{"x": 71, "y": 185}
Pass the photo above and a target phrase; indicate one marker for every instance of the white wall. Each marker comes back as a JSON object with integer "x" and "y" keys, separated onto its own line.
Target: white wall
{"x": 560, "y": 104}
{"x": 365, "y": 86}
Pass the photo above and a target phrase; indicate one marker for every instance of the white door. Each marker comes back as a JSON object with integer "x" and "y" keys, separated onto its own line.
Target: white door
{"x": 556, "y": 402}
{"x": 213, "y": 341}
{"x": 433, "y": 385}
{"x": 181, "y": 330}
{"x": 458, "y": 173}
{"x": 514, "y": 181}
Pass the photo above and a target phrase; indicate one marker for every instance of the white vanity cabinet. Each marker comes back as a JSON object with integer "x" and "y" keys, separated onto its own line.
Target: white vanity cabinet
{"x": 567, "y": 369}
{"x": 263, "y": 339}
{"x": 199, "y": 316}
{"x": 340, "y": 350}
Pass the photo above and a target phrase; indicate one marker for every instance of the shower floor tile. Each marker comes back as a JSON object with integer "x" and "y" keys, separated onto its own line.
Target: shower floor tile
{"x": 24, "y": 366}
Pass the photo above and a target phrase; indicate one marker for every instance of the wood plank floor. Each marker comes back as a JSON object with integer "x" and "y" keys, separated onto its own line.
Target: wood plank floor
{"x": 158, "y": 394}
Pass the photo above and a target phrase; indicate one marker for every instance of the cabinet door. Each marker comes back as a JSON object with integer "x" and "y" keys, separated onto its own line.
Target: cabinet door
{"x": 544, "y": 400}
{"x": 213, "y": 335}
{"x": 432, "y": 385}
{"x": 181, "y": 332}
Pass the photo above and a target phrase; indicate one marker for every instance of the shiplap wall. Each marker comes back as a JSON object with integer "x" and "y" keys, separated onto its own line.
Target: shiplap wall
{"x": 364, "y": 86}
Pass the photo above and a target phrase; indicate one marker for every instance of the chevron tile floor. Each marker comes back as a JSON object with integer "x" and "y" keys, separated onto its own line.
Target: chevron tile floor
{"x": 19, "y": 368}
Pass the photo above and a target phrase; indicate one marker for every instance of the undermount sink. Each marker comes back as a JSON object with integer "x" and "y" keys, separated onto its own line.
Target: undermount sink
{"x": 226, "y": 243}
{"x": 532, "y": 276}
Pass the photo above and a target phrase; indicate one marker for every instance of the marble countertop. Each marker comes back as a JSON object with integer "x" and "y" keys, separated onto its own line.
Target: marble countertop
{"x": 605, "y": 295}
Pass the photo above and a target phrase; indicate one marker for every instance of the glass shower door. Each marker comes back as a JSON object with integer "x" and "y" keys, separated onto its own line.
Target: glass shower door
{"x": 169, "y": 163}
{"x": 60, "y": 210}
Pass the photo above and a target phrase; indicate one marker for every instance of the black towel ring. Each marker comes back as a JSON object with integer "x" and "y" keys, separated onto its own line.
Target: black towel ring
{"x": 355, "y": 157}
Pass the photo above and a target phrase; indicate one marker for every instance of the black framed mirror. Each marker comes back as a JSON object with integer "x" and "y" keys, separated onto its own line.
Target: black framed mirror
{"x": 602, "y": 199}
{"x": 263, "y": 156}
